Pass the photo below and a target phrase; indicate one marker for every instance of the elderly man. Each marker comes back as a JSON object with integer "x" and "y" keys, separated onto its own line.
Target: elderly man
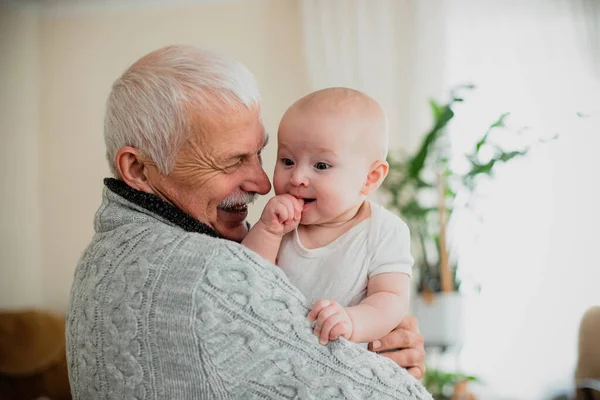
{"x": 165, "y": 303}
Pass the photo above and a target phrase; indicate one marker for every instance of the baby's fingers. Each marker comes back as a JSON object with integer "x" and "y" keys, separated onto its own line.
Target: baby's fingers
{"x": 291, "y": 211}
{"x": 340, "y": 329}
{"x": 281, "y": 213}
{"x": 328, "y": 326}
{"x": 325, "y": 313}
{"x": 314, "y": 313}
{"x": 298, "y": 205}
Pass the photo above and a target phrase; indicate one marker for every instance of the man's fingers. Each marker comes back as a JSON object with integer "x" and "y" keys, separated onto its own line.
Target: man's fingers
{"x": 409, "y": 323}
{"x": 407, "y": 358}
{"x": 398, "y": 339}
{"x": 417, "y": 372}
{"x": 406, "y": 345}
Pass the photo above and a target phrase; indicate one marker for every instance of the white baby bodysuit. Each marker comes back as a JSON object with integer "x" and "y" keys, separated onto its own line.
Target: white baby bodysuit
{"x": 340, "y": 271}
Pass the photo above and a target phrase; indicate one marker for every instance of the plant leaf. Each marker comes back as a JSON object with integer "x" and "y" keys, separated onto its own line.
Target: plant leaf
{"x": 418, "y": 161}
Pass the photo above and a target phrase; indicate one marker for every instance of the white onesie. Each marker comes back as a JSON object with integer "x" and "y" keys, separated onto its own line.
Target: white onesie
{"x": 340, "y": 271}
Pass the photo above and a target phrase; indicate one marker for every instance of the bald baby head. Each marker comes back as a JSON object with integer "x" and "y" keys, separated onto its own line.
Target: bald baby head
{"x": 364, "y": 121}
{"x": 332, "y": 146}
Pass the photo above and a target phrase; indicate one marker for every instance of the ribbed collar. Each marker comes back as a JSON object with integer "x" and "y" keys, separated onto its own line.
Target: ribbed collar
{"x": 160, "y": 207}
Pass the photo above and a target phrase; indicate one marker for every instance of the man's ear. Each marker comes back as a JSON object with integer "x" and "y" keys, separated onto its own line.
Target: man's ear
{"x": 377, "y": 174}
{"x": 131, "y": 168}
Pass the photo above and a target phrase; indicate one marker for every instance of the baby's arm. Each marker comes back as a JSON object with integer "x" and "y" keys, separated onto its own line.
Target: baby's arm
{"x": 383, "y": 308}
{"x": 380, "y": 312}
{"x": 281, "y": 215}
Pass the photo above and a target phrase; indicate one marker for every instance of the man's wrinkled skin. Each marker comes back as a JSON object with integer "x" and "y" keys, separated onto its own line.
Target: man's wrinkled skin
{"x": 220, "y": 160}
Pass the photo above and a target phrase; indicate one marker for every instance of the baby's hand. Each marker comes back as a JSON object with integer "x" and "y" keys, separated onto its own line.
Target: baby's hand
{"x": 282, "y": 214}
{"x": 332, "y": 321}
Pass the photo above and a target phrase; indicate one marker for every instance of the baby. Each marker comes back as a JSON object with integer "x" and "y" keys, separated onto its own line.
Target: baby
{"x": 349, "y": 256}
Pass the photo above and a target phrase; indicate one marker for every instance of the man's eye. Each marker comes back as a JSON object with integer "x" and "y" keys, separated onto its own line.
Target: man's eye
{"x": 234, "y": 167}
{"x": 322, "y": 166}
{"x": 287, "y": 162}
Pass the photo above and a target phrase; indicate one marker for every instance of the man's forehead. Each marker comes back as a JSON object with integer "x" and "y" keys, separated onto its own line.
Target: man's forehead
{"x": 248, "y": 144}
{"x": 236, "y": 123}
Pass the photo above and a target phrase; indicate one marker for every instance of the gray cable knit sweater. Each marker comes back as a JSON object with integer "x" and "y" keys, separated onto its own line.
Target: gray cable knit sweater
{"x": 161, "y": 308}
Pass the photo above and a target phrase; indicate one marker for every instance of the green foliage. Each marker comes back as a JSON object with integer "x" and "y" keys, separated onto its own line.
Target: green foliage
{"x": 441, "y": 384}
{"x": 413, "y": 177}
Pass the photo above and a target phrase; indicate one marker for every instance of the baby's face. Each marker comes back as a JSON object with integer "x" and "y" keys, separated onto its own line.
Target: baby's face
{"x": 319, "y": 159}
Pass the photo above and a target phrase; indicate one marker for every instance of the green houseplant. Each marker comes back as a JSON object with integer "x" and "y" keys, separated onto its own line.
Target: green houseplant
{"x": 442, "y": 384}
{"x": 422, "y": 188}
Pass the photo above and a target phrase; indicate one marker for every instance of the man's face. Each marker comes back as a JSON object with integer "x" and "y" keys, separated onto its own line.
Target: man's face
{"x": 217, "y": 172}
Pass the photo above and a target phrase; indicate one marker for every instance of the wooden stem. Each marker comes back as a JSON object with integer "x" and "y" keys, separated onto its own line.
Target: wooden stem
{"x": 447, "y": 285}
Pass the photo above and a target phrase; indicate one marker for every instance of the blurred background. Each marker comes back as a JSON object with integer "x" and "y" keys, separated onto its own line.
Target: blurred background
{"x": 521, "y": 237}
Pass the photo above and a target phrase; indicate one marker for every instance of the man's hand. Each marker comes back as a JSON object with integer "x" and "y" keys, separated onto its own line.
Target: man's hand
{"x": 282, "y": 214}
{"x": 332, "y": 321}
{"x": 404, "y": 346}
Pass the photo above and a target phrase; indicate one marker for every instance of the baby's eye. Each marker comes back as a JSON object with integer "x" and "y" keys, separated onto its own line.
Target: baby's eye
{"x": 322, "y": 166}
{"x": 287, "y": 162}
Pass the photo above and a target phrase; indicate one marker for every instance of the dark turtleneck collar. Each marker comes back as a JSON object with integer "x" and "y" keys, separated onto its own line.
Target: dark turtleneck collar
{"x": 158, "y": 206}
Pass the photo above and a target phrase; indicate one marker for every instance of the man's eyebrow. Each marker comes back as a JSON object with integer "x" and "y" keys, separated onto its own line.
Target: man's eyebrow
{"x": 233, "y": 156}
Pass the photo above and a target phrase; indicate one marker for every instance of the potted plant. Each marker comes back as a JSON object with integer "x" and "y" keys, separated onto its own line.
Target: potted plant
{"x": 448, "y": 385}
{"x": 422, "y": 188}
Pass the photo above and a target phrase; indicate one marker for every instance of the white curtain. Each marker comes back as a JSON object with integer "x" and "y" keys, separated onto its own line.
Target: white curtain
{"x": 535, "y": 253}
{"x": 587, "y": 19}
{"x": 382, "y": 48}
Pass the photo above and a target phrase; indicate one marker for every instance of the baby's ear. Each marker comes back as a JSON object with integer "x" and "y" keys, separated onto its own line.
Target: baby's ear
{"x": 377, "y": 174}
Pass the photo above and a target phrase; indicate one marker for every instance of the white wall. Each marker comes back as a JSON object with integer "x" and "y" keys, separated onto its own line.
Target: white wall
{"x": 20, "y": 240}
{"x": 81, "y": 52}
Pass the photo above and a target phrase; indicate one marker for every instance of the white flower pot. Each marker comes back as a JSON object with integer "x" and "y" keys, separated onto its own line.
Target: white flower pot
{"x": 442, "y": 321}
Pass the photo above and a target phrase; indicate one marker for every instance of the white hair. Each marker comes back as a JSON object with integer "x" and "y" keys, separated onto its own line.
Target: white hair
{"x": 150, "y": 107}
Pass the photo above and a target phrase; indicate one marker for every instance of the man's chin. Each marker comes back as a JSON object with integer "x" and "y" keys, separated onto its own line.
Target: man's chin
{"x": 232, "y": 224}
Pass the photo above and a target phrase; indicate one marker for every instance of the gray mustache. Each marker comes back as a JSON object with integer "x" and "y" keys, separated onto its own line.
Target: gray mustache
{"x": 241, "y": 198}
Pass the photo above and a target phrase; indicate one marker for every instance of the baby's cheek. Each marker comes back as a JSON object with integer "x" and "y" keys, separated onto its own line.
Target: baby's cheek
{"x": 279, "y": 182}
{"x": 342, "y": 192}
{"x": 331, "y": 206}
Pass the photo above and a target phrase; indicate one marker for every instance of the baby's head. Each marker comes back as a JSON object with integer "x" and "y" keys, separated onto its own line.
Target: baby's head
{"x": 332, "y": 146}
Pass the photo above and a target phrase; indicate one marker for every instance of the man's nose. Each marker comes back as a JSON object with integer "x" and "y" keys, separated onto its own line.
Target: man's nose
{"x": 258, "y": 181}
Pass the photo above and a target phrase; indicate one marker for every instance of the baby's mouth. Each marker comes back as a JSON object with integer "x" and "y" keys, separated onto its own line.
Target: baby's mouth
{"x": 307, "y": 204}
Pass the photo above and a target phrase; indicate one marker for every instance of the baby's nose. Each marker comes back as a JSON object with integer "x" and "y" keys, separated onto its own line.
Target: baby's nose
{"x": 299, "y": 178}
